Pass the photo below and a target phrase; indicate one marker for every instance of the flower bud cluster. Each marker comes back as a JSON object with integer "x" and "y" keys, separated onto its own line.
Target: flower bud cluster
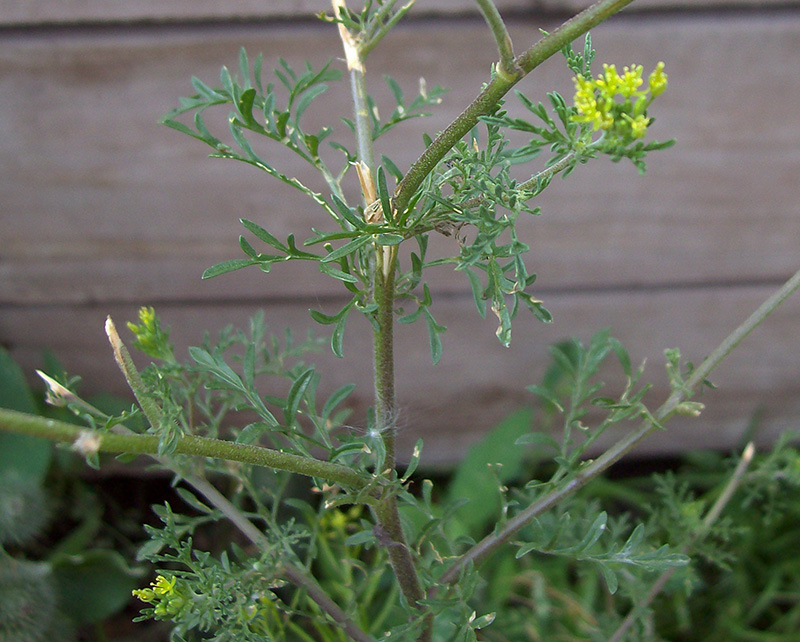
{"x": 597, "y": 99}
{"x": 167, "y": 599}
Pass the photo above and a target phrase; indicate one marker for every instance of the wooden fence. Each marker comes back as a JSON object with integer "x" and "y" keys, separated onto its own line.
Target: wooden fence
{"x": 102, "y": 210}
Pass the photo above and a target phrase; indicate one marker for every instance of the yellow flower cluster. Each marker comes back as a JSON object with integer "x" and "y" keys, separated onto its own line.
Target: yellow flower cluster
{"x": 166, "y": 599}
{"x": 596, "y": 99}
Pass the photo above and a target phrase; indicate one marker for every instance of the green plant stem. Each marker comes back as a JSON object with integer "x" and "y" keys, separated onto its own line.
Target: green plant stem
{"x": 356, "y": 70}
{"x": 21, "y": 423}
{"x": 383, "y": 352}
{"x": 548, "y": 172}
{"x": 507, "y": 66}
{"x": 497, "y": 87}
{"x": 712, "y": 516}
{"x": 399, "y": 555}
{"x": 483, "y": 549}
{"x": 384, "y": 20}
{"x": 384, "y": 267}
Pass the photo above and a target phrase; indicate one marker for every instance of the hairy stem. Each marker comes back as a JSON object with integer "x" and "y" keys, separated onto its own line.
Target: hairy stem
{"x": 486, "y": 547}
{"x": 497, "y": 87}
{"x": 384, "y": 267}
{"x": 136, "y": 444}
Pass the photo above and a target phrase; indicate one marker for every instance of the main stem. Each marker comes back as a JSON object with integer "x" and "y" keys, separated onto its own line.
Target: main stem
{"x": 383, "y": 265}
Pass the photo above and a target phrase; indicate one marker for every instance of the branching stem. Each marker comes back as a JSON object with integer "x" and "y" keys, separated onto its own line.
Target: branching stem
{"x": 136, "y": 444}
{"x": 487, "y": 546}
{"x": 497, "y": 87}
{"x": 507, "y": 66}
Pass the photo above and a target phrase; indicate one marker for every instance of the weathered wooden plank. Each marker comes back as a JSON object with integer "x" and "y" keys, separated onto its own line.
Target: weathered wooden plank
{"x": 477, "y": 381}
{"x": 54, "y": 12}
{"x": 75, "y": 11}
{"x": 101, "y": 203}
{"x": 103, "y": 211}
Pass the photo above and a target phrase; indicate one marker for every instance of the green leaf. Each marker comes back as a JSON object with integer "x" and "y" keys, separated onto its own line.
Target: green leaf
{"x": 414, "y": 461}
{"x": 28, "y": 456}
{"x": 477, "y": 291}
{"x": 473, "y": 478}
{"x": 383, "y": 195}
{"x": 247, "y": 248}
{"x": 546, "y": 394}
{"x": 192, "y": 500}
{"x": 362, "y": 537}
{"x": 337, "y": 337}
{"x": 336, "y": 398}
{"x": 389, "y": 239}
{"x": 391, "y": 168}
{"x": 328, "y": 269}
{"x": 610, "y": 578}
{"x": 347, "y": 213}
{"x": 482, "y": 621}
{"x": 307, "y": 98}
{"x": 339, "y": 319}
{"x": 94, "y": 585}
{"x": 216, "y": 366}
{"x": 347, "y": 248}
{"x": 295, "y": 396}
{"x": 251, "y": 433}
{"x": 228, "y": 266}
{"x": 434, "y": 330}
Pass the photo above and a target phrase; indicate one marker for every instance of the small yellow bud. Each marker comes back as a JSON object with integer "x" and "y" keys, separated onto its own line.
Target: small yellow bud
{"x": 631, "y": 80}
{"x": 658, "y": 80}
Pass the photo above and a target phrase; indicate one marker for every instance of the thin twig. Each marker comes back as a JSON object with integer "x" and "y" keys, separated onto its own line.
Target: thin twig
{"x": 711, "y": 517}
{"x": 355, "y": 67}
{"x": 507, "y": 66}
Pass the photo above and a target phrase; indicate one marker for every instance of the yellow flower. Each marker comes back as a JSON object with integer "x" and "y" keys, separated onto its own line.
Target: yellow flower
{"x": 596, "y": 103}
{"x": 162, "y": 594}
{"x": 145, "y": 594}
{"x": 630, "y": 81}
{"x": 608, "y": 81}
{"x": 658, "y": 80}
{"x": 164, "y": 586}
{"x": 588, "y": 107}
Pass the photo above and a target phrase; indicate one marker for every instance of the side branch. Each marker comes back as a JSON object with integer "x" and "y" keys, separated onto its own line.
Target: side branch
{"x": 487, "y": 546}
{"x": 21, "y": 423}
{"x": 507, "y": 67}
{"x": 498, "y": 87}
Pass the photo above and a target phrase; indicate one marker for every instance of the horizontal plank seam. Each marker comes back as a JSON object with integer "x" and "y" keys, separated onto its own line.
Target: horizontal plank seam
{"x": 449, "y": 295}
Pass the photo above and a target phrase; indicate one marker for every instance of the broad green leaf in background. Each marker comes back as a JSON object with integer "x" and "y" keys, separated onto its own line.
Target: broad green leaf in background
{"x": 475, "y": 481}
{"x": 29, "y": 456}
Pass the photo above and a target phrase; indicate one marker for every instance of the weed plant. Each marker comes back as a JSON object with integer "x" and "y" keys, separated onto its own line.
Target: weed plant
{"x": 522, "y": 544}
